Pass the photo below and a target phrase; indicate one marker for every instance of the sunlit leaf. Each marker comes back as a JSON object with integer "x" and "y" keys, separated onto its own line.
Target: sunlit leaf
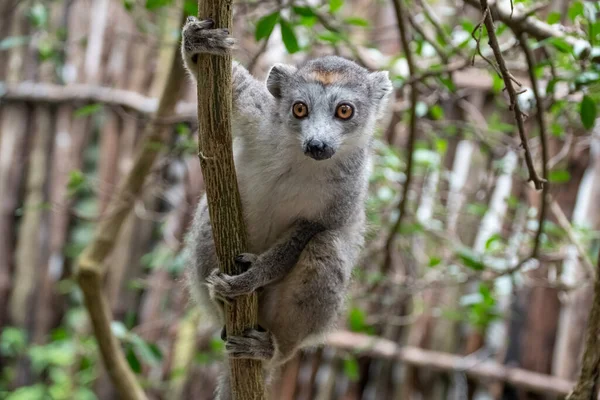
{"x": 335, "y": 5}
{"x": 559, "y": 176}
{"x": 553, "y": 18}
{"x": 356, "y": 21}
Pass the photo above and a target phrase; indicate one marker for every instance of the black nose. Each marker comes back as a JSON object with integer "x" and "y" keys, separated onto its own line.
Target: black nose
{"x": 318, "y": 150}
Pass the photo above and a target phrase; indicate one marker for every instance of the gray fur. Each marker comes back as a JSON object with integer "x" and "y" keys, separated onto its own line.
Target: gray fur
{"x": 305, "y": 218}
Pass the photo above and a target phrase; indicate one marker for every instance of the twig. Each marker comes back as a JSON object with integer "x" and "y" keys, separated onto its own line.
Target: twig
{"x": 586, "y": 387}
{"x": 508, "y": 81}
{"x": 222, "y": 193}
{"x": 400, "y": 12}
{"x": 530, "y": 25}
{"x": 543, "y": 139}
{"x": 482, "y": 370}
{"x": 564, "y": 223}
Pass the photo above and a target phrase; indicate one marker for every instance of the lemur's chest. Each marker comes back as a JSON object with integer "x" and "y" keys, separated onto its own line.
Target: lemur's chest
{"x": 274, "y": 194}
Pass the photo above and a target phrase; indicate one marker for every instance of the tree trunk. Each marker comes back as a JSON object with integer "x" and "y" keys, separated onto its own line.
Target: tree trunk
{"x": 224, "y": 203}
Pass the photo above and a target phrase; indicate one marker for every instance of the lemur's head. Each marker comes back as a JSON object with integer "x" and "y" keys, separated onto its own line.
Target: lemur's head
{"x": 329, "y": 104}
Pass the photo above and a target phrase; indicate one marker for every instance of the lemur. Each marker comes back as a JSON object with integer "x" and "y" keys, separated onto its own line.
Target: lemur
{"x": 302, "y": 145}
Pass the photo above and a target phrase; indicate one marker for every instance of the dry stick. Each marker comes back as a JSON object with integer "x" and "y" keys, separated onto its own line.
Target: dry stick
{"x": 586, "y": 389}
{"x": 90, "y": 269}
{"x": 400, "y": 12}
{"x": 543, "y": 139}
{"x": 508, "y": 81}
{"x": 483, "y": 370}
{"x": 224, "y": 202}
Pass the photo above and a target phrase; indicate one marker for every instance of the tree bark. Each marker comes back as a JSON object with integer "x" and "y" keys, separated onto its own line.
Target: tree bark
{"x": 224, "y": 202}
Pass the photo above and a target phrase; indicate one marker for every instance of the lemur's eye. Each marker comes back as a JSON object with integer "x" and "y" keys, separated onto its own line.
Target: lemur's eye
{"x": 300, "y": 110}
{"x": 344, "y": 111}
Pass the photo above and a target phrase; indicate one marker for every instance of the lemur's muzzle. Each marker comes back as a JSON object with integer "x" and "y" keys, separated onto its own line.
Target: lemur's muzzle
{"x": 318, "y": 150}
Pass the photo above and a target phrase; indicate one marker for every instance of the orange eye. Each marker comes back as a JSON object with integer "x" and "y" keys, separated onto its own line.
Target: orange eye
{"x": 300, "y": 110}
{"x": 344, "y": 111}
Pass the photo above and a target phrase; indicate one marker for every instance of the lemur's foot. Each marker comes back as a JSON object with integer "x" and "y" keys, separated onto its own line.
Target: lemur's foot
{"x": 199, "y": 37}
{"x": 253, "y": 343}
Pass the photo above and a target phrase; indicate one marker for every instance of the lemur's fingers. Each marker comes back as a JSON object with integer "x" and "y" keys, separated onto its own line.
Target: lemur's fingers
{"x": 223, "y": 285}
{"x": 252, "y": 343}
{"x": 200, "y": 37}
{"x": 245, "y": 260}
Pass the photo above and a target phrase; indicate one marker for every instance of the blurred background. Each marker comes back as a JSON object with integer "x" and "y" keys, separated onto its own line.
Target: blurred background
{"x": 471, "y": 285}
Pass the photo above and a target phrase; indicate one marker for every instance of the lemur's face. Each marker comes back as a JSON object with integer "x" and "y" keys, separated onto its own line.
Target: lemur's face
{"x": 329, "y": 105}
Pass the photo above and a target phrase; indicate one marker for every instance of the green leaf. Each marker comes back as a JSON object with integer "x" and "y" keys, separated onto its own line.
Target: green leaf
{"x": 265, "y": 26}
{"x": 88, "y": 110}
{"x": 553, "y": 18}
{"x": 335, "y": 5}
{"x": 356, "y": 21}
{"x": 470, "y": 259}
{"x": 76, "y": 182}
{"x": 356, "y": 320}
{"x": 491, "y": 243}
{"x": 351, "y": 369}
{"x": 190, "y": 7}
{"x": 560, "y": 44}
{"x": 155, "y": 4}
{"x": 289, "y": 37}
{"x": 436, "y": 112}
{"x": 38, "y": 15}
{"x": 434, "y": 261}
{"x": 304, "y": 11}
{"x": 559, "y": 176}
{"x": 575, "y": 10}
{"x": 588, "y": 112}
{"x": 133, "y": 360}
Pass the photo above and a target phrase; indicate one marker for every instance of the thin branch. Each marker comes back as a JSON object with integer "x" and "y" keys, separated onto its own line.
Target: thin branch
{"x": 543, "y": 139}
{"x": 389, "y": 247}
{"x": 512, "y": 93}
{"x": 476, "y": 368}
{"x": 586, "y": 387}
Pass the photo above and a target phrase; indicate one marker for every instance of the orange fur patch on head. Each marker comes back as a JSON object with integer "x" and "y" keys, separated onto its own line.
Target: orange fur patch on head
{"x": 327, "y": 77}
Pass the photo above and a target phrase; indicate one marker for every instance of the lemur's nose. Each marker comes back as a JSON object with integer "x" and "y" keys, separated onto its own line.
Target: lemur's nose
{"x": 318, "y": 149}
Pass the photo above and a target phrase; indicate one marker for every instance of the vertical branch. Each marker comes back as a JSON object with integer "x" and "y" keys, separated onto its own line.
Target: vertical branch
{"x": 586, "y": 387}
{"x": 543, "y": 139}
{"x": 508, "y": 78}
{"x": 400, "y": 12}
{"x": 224, "y": 203}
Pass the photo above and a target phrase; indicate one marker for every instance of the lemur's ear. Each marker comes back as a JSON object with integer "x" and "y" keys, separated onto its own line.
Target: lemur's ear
{"x": 381, "y": 88}
{"x": 278, "y": 74}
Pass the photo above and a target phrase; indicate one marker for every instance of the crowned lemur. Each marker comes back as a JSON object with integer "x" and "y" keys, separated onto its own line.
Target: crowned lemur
{"x": 302, "y": 155}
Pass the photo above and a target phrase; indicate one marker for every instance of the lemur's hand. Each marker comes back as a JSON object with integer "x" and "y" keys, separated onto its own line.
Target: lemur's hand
{"x": 199, "y": 37}
{"x": 226, "y": 286}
